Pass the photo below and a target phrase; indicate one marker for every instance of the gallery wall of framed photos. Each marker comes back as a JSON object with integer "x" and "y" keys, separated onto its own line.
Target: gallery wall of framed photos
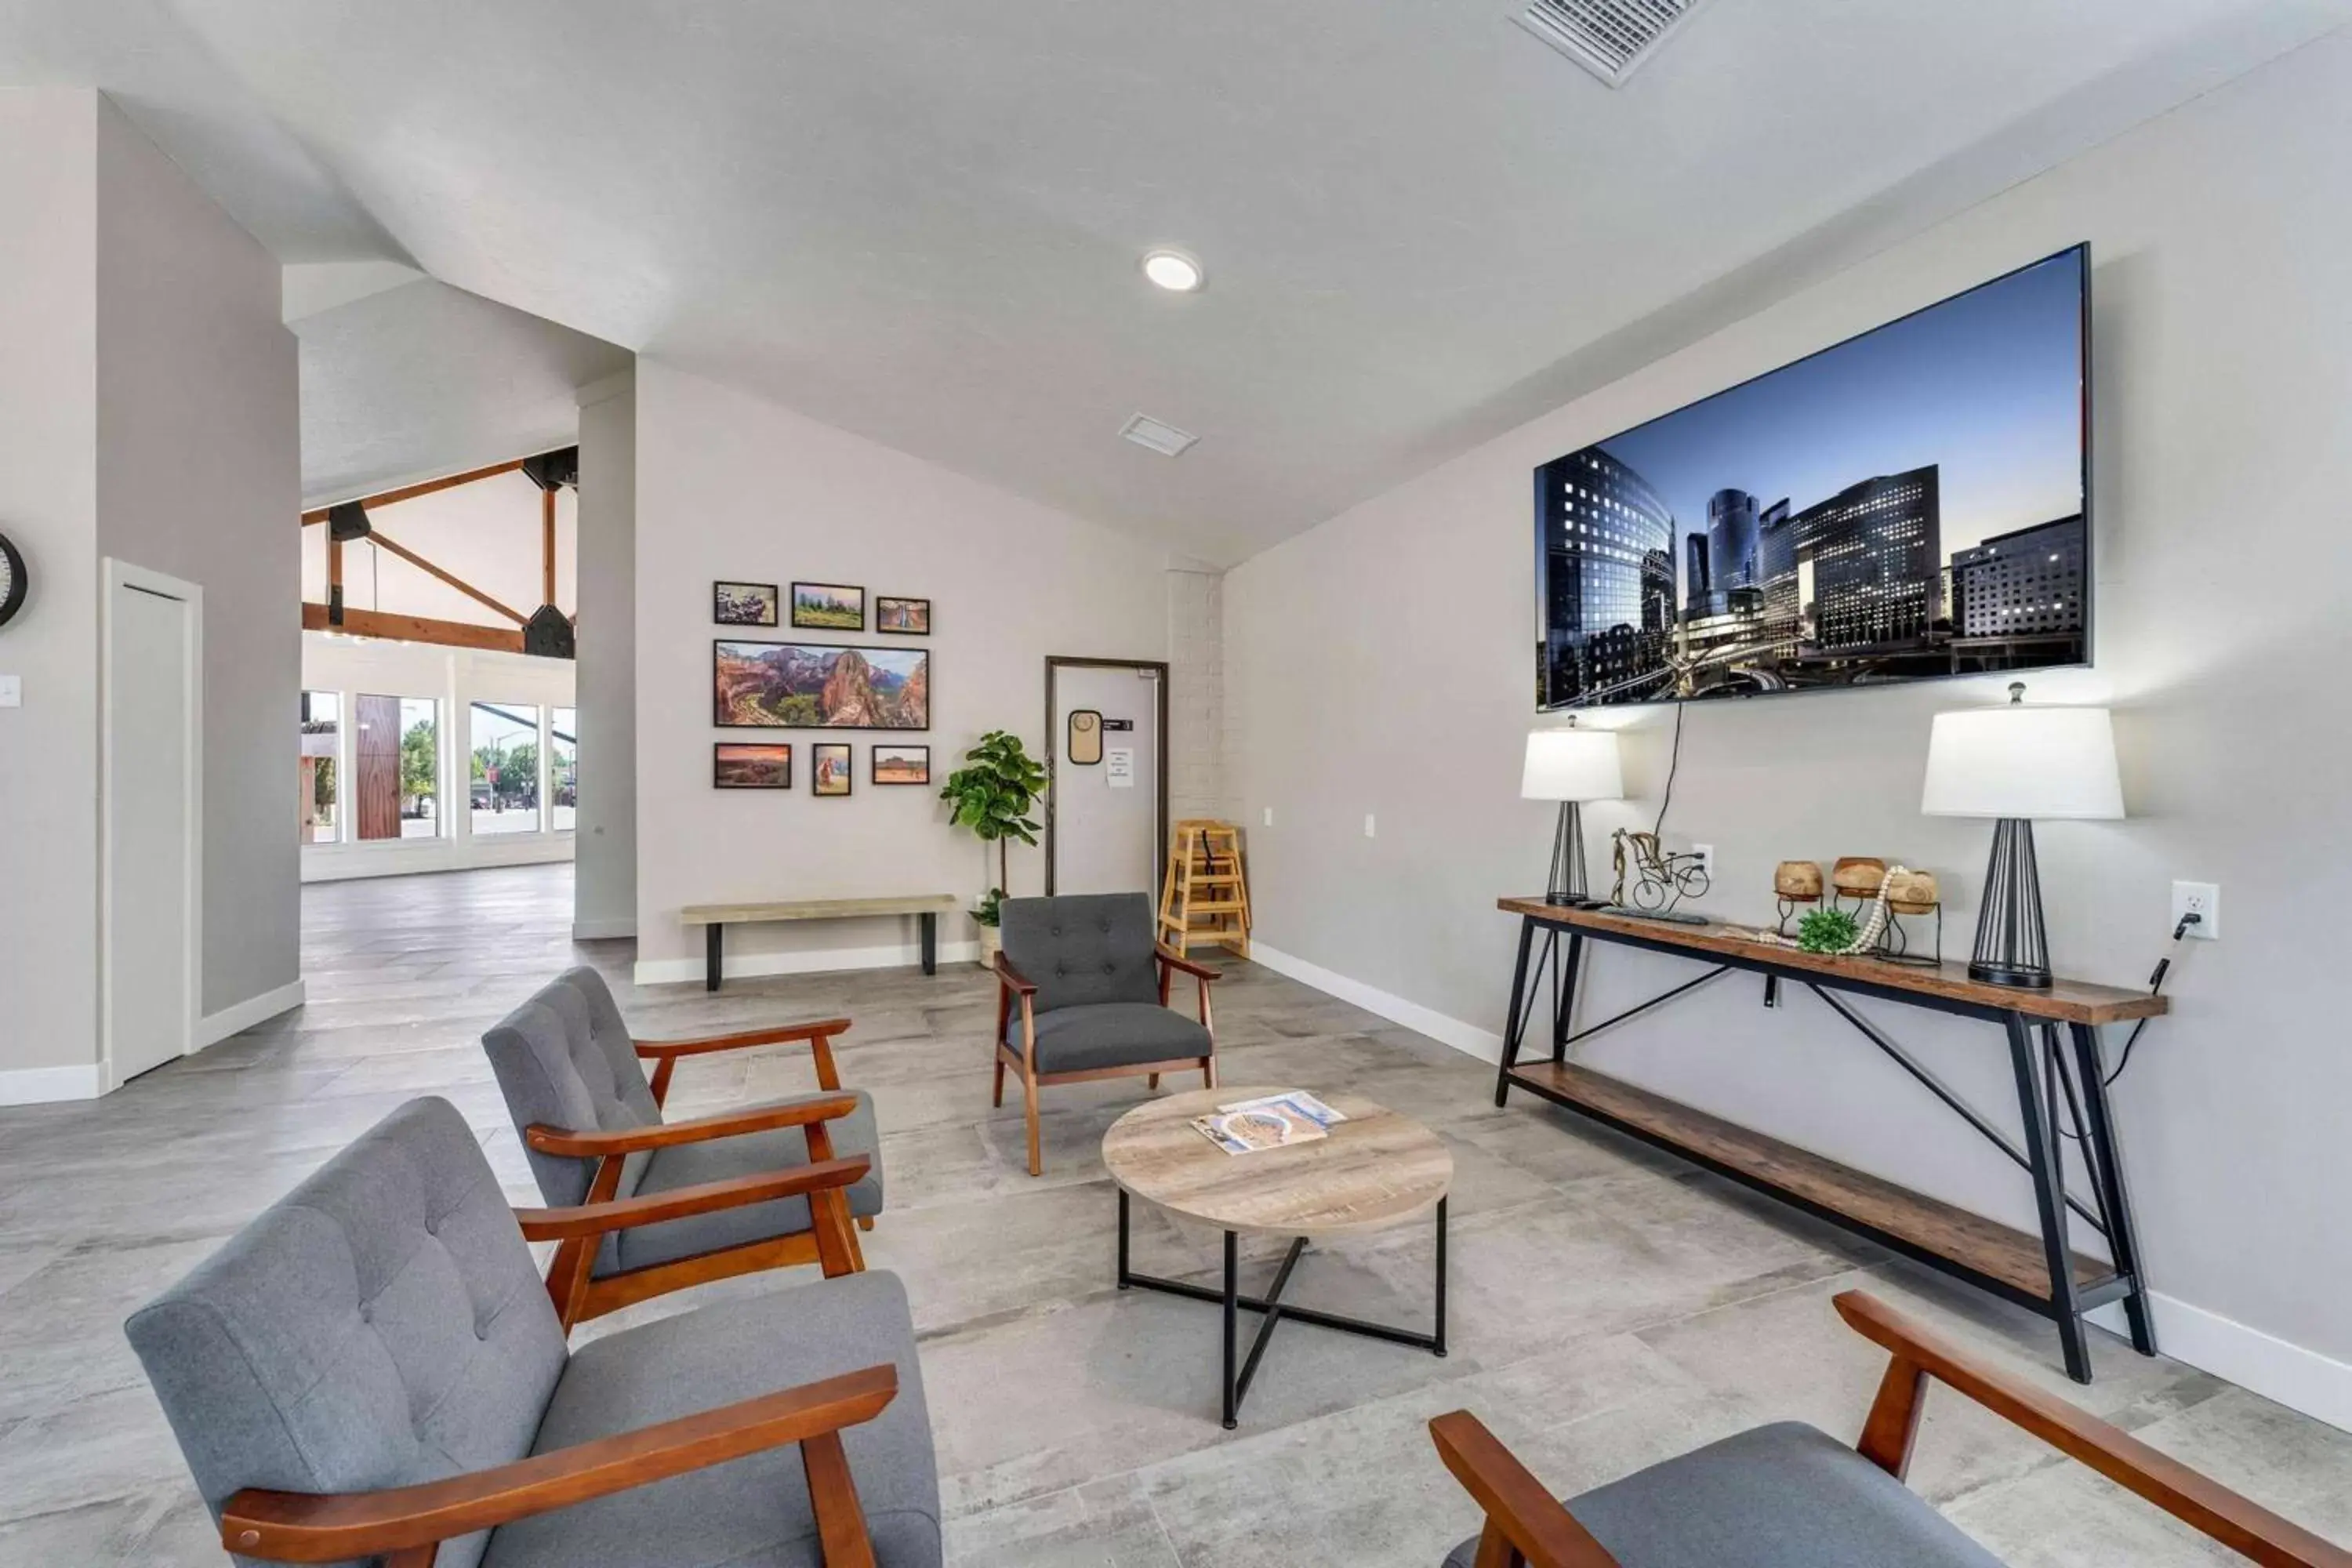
{"x": 766, "y": 684}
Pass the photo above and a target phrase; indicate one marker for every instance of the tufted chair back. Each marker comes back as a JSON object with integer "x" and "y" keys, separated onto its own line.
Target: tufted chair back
{"x": 1080, "y": 949}
{"x": 565, "y": 1058}
{"x": 379, "y": 1326}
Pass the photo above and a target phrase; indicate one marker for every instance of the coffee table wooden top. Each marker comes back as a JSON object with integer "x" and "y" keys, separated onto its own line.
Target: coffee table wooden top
{"x": 1372, "y": 1170}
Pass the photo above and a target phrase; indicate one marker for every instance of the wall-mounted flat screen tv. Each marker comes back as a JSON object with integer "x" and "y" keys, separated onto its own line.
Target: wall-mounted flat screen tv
{"x": 1911, "y": 503}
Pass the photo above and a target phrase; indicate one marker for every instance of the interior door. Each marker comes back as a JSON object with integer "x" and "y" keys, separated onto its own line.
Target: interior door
{"x": 375, "y": 759}
{"x": 150, "y": 861}
{"x": 1106, "y": 830}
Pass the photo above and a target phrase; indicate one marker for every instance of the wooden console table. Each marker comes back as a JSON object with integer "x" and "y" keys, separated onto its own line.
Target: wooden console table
{"x": 2042, "y": 1273}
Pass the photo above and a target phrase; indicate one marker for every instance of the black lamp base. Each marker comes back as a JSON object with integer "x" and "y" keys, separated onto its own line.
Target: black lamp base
{"x": 1565, "y": 885}
{"x": 2012, "y": 947}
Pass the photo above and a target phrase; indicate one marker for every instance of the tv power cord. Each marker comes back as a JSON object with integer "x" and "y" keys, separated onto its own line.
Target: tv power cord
{"x": 2155, "y": 985}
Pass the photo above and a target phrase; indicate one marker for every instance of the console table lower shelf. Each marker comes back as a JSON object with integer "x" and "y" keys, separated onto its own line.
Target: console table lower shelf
{"x": 2007, "y": 1262}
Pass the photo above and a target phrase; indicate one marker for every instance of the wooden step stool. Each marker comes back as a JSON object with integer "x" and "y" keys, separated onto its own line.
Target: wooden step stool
{"x": 1205, "y": 898}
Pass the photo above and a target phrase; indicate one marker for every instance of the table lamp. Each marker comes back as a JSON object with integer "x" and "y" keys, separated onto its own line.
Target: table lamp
{"x": 1570, "y": 766}
{"x": 2014, "y": 764}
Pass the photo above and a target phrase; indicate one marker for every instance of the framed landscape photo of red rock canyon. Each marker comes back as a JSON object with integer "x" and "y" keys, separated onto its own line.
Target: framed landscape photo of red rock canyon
{"x": 819, "y": 686}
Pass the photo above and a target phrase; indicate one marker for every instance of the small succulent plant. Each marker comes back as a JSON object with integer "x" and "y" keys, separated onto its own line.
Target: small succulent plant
{"x": 1827, "y": 930}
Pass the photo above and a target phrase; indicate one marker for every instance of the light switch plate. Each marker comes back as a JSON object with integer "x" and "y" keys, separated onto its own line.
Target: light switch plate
{"x": 1269, "y": 816}
{"x": 12, "y": 691}
{"x": 1367, "y": 825}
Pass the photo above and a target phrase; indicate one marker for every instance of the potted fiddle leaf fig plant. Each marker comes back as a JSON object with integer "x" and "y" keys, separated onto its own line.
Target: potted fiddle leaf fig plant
{"x": 992, "y": 794}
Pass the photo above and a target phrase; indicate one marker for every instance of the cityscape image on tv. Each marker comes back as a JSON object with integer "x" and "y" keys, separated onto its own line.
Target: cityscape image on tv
{"x": 1904, "y": 505}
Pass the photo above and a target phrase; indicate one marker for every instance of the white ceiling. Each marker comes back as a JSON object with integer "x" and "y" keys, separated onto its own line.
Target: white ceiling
{"x": 921, "y": 221}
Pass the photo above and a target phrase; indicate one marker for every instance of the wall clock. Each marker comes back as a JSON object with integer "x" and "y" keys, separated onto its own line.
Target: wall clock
{"x": 12, "y": 580}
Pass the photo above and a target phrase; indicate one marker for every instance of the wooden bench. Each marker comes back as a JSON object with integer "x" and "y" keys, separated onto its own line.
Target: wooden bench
{"x": 716, "y": 918}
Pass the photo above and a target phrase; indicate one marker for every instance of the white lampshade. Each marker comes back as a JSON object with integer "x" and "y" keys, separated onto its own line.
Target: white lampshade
{"x": 1572, "y": 764}
{"x": 2049, "y": 763}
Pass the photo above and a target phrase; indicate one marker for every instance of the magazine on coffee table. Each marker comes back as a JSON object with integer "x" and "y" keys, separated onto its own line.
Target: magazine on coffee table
{"x": 1269, "y": 1121}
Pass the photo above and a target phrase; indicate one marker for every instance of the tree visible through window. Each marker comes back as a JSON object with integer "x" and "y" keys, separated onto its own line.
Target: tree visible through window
{"x": 505, "y": 790}
{"x": 562, "y": 768}
{"x": 322, "y": 734}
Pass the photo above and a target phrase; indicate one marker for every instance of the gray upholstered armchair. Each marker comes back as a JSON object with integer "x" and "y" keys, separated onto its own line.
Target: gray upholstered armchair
{"x": 1082, "y": 992}
{"x": 372, "y": 1372}
{"x": 592, "y": 1123}
{"x": 1789, "y": 1495}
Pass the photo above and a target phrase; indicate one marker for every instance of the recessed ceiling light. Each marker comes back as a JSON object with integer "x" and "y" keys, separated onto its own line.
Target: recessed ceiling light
{"x": 1172, "y": 270}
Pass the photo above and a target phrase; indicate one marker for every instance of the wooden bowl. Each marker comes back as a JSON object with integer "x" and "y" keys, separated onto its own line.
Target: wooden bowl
{"x": 1799, "y": 882}
{"x": 1858, "y": 876}
{"x": 1912, "y": 892}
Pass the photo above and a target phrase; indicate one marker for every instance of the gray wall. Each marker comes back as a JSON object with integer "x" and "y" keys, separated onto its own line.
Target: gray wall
{"x": 48, "y": 506}
{"x": 199, "y": 475}
{"x": 731, "y": 486}
{"x": 1382, "y": 663}
{"x": 604, "y": 884}
{"x": 147, "y": 411}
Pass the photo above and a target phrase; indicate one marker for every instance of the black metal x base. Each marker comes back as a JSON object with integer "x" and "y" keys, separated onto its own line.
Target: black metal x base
{"x": 1275, "y": 1308}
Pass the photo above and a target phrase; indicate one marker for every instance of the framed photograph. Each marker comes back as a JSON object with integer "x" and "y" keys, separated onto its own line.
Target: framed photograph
{"x": 743, "y": 604}
{"x": 746, "y": 766}
{"x": 829, "y": 768}
{"x": 902, "y": 617}
{"x": 902, "y": 764}
{"x": 819, "y": 686}
{"x": 828, "y": 606}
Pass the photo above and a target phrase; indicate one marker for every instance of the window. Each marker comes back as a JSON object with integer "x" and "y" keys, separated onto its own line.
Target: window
{"x": 505, "y": 791}
{"x": 321, "y": 735}
{"x": 396, "y": 767}
{"x": 562, "y": 768}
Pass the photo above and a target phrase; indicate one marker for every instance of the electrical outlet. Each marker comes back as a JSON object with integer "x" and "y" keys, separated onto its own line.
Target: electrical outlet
{"x": 1269, "y": 816}
{"x": 2202, "y": 899}
{"x": 1367, "y": 825}
{"x": 1705, "y": 853}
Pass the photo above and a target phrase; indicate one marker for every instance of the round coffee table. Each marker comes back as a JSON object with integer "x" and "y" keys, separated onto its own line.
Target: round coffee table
{"x": 1375, "y": 1169}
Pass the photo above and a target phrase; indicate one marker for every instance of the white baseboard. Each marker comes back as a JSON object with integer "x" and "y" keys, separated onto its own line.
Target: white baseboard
{"x": 47, "y": 1086}
{"x": 2300, "y": 1379}
{"x": 1484, "y": 1044}
{"x": 2317, "y": 1386}
{"x": 810, "y": 960}
{"x": 596, "y": 931}
{"x": 214, "y": 1027}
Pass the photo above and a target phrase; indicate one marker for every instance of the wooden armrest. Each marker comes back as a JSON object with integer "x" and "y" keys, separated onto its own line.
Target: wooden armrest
{"x": 1521, "y": 1515}
{"x": 823, "y": 1028}
{"x": 296, "y": 1527}
{"x": 1011, "y": 978}
{"x": 662, "y": 1135}
{"x": 1175, "y": 960}
{"x": 620, "y": 1213}
{"x": 2198, "y": 1502}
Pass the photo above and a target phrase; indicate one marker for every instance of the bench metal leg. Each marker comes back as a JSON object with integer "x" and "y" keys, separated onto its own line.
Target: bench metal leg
{"x": 930, "y": 926}
{"x": 712, "y": 945}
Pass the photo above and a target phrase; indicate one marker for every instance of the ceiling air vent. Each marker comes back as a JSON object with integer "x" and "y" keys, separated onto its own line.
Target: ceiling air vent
{"x": 1610, "y": 39}
{"x": 1161, "y": 438}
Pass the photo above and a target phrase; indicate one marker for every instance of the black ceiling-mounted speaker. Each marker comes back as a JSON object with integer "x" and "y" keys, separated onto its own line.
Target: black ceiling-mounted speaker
{"x": 547, "y": 634}
{"x": 553, "y": 470}
{"x": 347, "y": 522}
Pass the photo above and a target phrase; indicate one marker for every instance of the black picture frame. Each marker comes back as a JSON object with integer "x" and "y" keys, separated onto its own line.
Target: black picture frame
{"x": 881, "y": 614}
{"x": 720, "y": 759}
{"x": 809, "y": 620}
{"x": 719, "y": 719}
{"x": 874, "y": 765}
{"x": 723, "y": 615}
{"x": 847, "y": 775}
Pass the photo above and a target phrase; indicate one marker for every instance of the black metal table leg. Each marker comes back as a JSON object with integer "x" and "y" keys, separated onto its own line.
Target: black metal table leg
{"x": 1122, "y": 1239}
{"x": 2099, "y": 1130}
{"x": 1517, "y": 1013}
{"x": 930, "y": 925}
{"x": 712, "y": 944}
{"x": 1233, "y": 1267}
{"x": 2036, "y": 1090}
{"x": 1564, "y": 996}
{"x": 1440, "y": 1346}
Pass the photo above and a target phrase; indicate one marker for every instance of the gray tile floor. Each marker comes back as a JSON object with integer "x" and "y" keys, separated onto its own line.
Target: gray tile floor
{"x": 1608, "y": 1306}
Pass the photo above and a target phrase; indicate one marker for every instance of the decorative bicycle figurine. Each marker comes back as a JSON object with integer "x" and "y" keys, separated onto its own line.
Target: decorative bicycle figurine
{"x": 1661, "y": 880}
